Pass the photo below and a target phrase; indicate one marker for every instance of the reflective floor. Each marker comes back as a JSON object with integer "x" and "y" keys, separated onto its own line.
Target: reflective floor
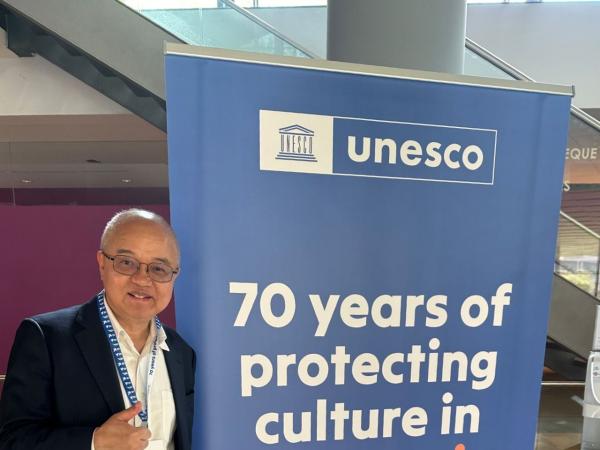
{"x": 560, "y": 421}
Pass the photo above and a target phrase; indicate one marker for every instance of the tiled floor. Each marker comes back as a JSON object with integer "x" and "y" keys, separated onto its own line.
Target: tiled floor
{"x": 560, "y": 421}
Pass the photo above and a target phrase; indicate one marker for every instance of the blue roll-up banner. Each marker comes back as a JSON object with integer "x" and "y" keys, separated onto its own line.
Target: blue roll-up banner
{"x": 367, "y": 252}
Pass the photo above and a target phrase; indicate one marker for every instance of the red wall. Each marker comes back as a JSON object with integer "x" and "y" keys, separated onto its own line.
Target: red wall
{"x": 48, "y": 261}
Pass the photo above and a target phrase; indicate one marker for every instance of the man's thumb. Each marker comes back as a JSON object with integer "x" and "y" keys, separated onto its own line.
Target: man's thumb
{"x": 127, "y": 414}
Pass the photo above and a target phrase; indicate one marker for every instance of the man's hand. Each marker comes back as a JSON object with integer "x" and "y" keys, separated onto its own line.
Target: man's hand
{"x": 117, "y": 434}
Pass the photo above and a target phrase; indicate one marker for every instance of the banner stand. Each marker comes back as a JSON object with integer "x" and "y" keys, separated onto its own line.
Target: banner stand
{"x": 367, "y": 252}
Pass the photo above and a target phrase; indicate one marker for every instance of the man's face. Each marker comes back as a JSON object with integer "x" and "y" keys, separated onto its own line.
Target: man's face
{"x": 135, "y": 299}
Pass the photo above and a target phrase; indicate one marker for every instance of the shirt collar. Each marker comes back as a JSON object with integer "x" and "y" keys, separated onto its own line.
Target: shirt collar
{"x": 120, "y": 331}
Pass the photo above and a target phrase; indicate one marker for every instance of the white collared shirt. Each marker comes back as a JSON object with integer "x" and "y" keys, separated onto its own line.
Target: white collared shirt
{"x": 161, "y": 410}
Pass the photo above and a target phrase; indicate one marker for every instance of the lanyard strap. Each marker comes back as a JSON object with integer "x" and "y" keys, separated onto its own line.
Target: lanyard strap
{"x": 120, "y": 361}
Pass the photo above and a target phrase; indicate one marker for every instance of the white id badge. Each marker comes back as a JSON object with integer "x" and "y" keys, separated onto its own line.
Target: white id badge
{"x": 156, "y": 445}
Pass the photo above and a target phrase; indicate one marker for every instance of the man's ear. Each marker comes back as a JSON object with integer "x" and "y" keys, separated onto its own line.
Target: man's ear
{"x": 101, "y": 261}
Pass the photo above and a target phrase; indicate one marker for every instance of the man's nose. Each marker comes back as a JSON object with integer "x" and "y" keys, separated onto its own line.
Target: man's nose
{"x": 142, "y": 276}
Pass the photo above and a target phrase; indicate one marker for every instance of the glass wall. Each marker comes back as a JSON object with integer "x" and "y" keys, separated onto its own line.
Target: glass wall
{"x": 219, "y": 24}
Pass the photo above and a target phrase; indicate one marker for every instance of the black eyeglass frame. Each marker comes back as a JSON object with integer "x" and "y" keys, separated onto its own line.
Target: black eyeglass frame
{"x": 113, "y": 258}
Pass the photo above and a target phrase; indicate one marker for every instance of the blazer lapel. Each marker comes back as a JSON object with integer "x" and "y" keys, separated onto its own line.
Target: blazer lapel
{"x": 175, "y": 368}
{"x": 95, "y": 349}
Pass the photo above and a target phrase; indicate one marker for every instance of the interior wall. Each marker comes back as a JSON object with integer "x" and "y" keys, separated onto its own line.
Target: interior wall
{"x": 550, "y": 42}
{"x": 49, "y": 261}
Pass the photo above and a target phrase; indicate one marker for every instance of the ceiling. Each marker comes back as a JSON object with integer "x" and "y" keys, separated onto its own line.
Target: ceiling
{"x": 56, "y": 132}
{"x": 93, "y": 151}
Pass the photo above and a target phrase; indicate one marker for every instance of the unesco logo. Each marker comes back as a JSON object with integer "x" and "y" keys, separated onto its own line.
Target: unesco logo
{"x": 296, "y": 144}
{"x": 375, "y": 148}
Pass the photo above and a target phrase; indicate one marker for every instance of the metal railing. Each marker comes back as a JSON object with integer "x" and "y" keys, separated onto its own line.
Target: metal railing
{"x": 515, "y": 73}
{"x": 202, "y": 31}
{"x": 271, "y": 29}
{"x": 578, "y": 247}
{"x": 580, "y": 225}
{"x": 578, "y": 255}
{"x": 563, "y": 383}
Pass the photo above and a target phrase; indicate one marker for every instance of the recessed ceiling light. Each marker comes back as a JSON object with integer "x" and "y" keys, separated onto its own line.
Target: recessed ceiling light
{"x": 126, "y": 180}
{"x": 25, "y": 180}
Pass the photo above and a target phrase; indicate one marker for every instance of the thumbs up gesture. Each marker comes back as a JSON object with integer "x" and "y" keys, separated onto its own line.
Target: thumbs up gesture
{"x": 117, "y": 434}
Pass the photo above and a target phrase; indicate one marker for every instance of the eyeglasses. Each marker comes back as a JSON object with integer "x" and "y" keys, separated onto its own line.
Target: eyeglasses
{"x": 126, "y": 265}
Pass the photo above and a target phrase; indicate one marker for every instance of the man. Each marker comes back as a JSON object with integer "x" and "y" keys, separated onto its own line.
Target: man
{"x": 106, "y": 374}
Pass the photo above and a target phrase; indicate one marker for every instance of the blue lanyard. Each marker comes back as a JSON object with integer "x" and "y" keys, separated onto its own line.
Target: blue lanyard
{"x": 120, "y": 361}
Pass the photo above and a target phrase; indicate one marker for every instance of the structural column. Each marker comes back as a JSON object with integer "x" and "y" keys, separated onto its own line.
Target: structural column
{"x": 411, "y": 34}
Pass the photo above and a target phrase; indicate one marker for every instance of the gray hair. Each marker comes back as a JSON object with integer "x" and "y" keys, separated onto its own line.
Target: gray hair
{"x": 134, "y": 214}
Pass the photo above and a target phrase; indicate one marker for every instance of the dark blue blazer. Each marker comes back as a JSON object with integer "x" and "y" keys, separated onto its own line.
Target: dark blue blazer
{"x": 61, "y": 383}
